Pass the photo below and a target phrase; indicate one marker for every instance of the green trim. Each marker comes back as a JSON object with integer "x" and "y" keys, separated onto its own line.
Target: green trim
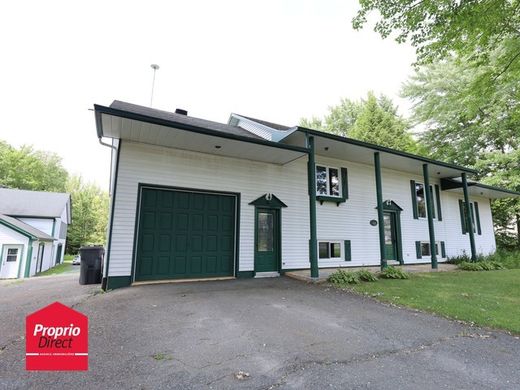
{"x": 380, "y": 211}
{"x": 53, "y": 226}
{"x": 333, "y": 199}
{"x": 183, "y": 126}
{"x": 273, "y": 203}
{"x": 344, "y": 183}
{"x": 418, "y": 251}
{"x": 348, "y": 250}
{"x": 477, "y": 216}
{"x": 245, "y": 274}
{"x": 379, "y": 148}
{"x": 118, "y": 281}
{"x": 106, "y": 280}
{"x": 311, "y": 179}
{"x": 278, "y": 245}
{"x": 488, "y": 187}
{"x": 414, "y": 199}
{"x": 472, "y": 217}
{"x": 28, "y": 260}
{"x": 443, "y": 249}
{"x": 18, "y": 230}
{"x": 462, "y": 220}
{"x": 468, "y": 217}
{"x": 434, "y": 214}
{"x": 430, "y": 215}
{"x": 20, "y": 265}
{"x": 438, "y": 198}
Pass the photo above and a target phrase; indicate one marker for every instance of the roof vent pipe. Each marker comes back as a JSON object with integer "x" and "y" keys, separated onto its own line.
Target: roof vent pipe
{"x": 180, "y": 111}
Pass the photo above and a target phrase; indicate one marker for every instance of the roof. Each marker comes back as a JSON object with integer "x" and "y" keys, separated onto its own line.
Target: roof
{"x": 24, "y": 228}
{"x": 179, "y": 118}
{"x": 266, "y": 123}
{"x": 23, "y": 203}
{"x": 478, "y": 189}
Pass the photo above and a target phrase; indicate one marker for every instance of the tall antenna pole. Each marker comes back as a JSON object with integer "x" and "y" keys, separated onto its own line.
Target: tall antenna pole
{"x": 154, "y": 67}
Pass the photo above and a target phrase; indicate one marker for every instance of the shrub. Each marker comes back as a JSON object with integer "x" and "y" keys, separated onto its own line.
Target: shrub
{"x": 485, "y": 265}
{"x": 366, "y": 276}
{"x": 344, "y": 277}
{"x": 468, "y": 266}
{"x": 394, "y": 273}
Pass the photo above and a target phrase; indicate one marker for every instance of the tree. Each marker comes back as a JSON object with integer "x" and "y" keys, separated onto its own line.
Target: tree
{"x": 374, "y": 120}
{"x": 89, "y": 214}
{"x": 30, "y": 169}
{"x": 462, "y": 129}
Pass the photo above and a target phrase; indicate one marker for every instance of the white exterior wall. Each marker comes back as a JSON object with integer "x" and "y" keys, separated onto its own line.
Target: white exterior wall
{"x": 10, "y": 237}
{"x": 48, "y": 257}
{"x": 148, "y": 164}
{"x": 42, "y": 224}
{"x": 139, "y": 163}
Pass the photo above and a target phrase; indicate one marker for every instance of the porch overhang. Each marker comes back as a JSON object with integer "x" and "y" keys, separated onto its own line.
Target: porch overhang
{"x": 333, "y": 146}
{"x": 130, "y": 126}
{"x": 477, "y": 189}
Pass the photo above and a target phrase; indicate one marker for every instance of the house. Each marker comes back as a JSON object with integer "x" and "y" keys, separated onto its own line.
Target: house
{"x": 33, "y": 231}
{"x": 195, "y": 199}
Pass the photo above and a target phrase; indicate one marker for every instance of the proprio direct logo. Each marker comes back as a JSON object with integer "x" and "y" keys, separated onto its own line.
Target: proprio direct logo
{"x": 56, "y": 339}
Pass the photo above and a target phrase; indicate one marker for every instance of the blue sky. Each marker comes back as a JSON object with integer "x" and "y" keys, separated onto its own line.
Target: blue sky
{"x": 275, "y": 60}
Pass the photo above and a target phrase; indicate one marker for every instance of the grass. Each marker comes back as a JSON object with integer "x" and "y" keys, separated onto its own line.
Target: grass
{"x": 489, "y": 298}
{"x": 66, "y": 266}
{"x": 68, "y": 257}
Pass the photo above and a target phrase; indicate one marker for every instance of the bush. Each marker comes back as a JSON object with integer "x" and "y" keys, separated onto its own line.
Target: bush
{"x": 394, "y": 273}
{"x": 366, "y": 276}
{"x": 485, "y": 265}
{"x": 344, "y": 277}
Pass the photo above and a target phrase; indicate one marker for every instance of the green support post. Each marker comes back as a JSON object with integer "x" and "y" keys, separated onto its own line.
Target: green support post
{"x": 380, "y": 214}
{"x": 27, "y": 271}
{"x": 313, "y": 242}
{"x": 469, "y": 224}
{"x": 429, "y": 212}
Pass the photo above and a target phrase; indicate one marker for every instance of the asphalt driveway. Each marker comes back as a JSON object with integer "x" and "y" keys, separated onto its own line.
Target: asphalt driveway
{"x": 283, "y": 333}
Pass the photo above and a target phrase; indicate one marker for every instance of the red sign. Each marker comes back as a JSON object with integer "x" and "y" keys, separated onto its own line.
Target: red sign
{"x": 56, "y": 339}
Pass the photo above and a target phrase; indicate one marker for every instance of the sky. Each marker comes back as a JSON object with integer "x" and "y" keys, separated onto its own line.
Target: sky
{"x": 278, "y": 60}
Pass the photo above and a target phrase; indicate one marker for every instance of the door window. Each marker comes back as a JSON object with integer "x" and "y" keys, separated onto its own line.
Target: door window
{"x": 388, "y": 229}
{"x": 12, "y": 254}
{"x": 265, "y": 240}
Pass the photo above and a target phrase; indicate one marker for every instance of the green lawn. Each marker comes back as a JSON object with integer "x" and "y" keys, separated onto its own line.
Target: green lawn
{"x": 66, "y": 266}
{"x": 487, "y": 298}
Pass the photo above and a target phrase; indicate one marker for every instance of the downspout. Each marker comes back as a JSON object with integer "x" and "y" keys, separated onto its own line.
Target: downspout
{"x": 104, "y": 283}
{"x": 429, "y": 211}
{"x": 380, "y": 214}
{"x": 469, "y": 223}
{"x": 311, "y": 171}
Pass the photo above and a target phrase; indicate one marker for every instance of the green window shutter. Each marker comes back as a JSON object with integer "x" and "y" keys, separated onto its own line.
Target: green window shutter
{"x": 443, "y": 249}
{"x": 344, "y": 182}
{"x": 477, "y": 216}
{"x": 348, "y": 252}
{"x": 462, "y": 218}
{"x": 418, "y": 249}
{"x": 438, "y": 198}
{"x": 414, "y": 199}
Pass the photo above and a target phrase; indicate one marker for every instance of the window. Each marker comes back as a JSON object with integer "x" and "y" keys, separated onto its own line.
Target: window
{"x": 12, "y": 254}
{"x": 328, "y": 182}
{"x": 329, "y": 250}
{"x": 419, "y": 201}
{"x": 474, "y": 216}
{"x": 426, "y": 251}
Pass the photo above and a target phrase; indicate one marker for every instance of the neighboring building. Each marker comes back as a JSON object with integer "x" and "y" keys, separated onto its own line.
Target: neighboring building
{"x": 193, "y": 199}
{"x": 33, "y": 231}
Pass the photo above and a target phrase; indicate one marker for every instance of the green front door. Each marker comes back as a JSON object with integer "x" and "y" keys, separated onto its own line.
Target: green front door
{"x": 267, "y": 240}
{"x": 390, "y": 237}
{"x": 184, "y": 235}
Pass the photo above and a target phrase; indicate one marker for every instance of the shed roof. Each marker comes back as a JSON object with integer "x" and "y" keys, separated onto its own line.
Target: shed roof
{"x": 23, "y": 203}
{"x": 22, "y": 227}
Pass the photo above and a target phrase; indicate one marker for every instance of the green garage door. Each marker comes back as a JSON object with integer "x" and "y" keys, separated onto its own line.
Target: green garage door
{"x": 185, "y": 235}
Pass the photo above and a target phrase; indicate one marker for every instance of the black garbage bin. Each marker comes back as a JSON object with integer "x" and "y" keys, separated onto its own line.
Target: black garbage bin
{"x": 91, "y": 261}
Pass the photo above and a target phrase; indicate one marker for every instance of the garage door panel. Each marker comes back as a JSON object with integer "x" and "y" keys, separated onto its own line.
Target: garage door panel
{"x": 185, "y": 235}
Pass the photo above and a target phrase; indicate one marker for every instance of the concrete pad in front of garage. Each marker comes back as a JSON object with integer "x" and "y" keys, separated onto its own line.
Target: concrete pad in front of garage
{"x": 283, "y": 333}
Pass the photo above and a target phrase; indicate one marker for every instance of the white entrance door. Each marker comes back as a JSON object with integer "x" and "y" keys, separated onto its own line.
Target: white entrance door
{"x": 11, "y": 258}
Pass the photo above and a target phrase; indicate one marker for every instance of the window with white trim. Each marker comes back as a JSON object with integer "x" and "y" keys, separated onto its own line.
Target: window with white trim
{"x": 426, "y": 249}
{"x": 328, "y": 181}
{"x": 329, "y": 250}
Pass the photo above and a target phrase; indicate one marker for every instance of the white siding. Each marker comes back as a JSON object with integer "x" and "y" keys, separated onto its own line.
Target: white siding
{"x": 42, "y": 224}
{"x": 163, "y": 166}
{"x": 9, "y": 236}
{"x": 141, "y": 163}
